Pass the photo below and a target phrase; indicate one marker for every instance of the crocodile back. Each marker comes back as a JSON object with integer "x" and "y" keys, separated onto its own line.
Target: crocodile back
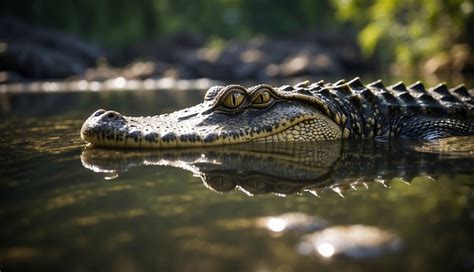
{"x": 370, "y": 110}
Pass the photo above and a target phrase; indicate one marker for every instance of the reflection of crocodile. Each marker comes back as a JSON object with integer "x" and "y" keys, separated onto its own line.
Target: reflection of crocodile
{"x": 304, "y": 112}
{"x": 287, "y": 168}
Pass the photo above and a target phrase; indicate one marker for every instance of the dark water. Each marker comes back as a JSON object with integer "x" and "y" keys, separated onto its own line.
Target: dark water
{"x": 65, "y": 207}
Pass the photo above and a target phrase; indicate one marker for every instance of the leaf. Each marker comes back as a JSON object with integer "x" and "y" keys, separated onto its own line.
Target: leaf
{"x": 369, "y": 37}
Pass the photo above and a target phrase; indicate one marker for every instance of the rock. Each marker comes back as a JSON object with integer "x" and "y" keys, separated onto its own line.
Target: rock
{"x": 246, "y": 70}
{"x": 311, "y": 61}
{"x": 324, "y": 64}
{"x": 32, "y": 61}
{"x": 35, "y": 52}
{"x": 14, "y": 30}
{"x": 295, "y": 65}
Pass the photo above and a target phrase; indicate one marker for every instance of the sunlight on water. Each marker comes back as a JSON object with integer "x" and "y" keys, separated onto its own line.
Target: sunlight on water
{"x": 276, "y": 224}
{"x": 325, "y": 249}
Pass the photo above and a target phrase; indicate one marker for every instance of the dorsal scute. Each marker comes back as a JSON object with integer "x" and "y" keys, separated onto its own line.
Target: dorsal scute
{"x": 356, "y": 84}
{"x": 440, "y": 89}
{"x": 406, "y": 97}
{"x": 417, "y": 88}
{"x": 324, "y": 92}
{"x": 304, "y": 91}
{"x": 339, "y": 82}
{"x": 302, "y": 84}
{"x": 286, "y": 88}
{"x": 319, "y": 83}
{"x": 430, "y": 104}
{"x": 388, "y": 103}
{"x": 408, "y": 102}
{"x": 460, "y": 91}
{"x": 342, "y": 89}
{"x": 398, "y": 87}
{"x": 427, "y": 99}
{"x": 449, "y": 98}
{"x": 378, "y": 85}
{"x": 368, "y": 95}
{"x": 315, "y": 89}
{"x": 314, "y": 85}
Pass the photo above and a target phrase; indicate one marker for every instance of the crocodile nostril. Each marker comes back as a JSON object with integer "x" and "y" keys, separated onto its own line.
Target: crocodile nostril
{"x": 111, "y": 116}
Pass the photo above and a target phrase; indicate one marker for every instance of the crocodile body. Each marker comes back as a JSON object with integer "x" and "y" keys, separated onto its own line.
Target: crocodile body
{"x": 302, "y": 112}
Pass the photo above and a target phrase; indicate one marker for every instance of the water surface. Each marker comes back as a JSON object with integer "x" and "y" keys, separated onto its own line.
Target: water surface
{"x": 68, "y": 207}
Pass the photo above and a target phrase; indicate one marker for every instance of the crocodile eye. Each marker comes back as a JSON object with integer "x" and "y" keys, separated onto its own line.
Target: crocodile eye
{"x": 233, "y": 100}
{"x": 262, "y": 98}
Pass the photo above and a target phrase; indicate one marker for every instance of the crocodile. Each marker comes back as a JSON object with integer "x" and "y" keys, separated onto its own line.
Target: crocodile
{"x": 303, "y": 112}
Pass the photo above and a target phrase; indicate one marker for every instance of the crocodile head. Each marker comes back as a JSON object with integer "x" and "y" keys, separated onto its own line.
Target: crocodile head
{"x": 230, "y": 114}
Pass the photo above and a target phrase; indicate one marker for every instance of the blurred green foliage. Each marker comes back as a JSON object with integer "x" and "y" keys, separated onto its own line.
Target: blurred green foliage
{"x": 119, "y": 22}
{"x": 403, "y": 30}
{"x": 410, "y": 30}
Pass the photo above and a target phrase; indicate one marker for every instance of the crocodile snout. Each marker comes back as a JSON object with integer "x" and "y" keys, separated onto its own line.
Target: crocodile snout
{"x": 102, "y": 123}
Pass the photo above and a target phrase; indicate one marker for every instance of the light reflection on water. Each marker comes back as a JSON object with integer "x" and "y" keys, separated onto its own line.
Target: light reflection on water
{"x": 326, "y": 249}
{"x": 155, "y": 215}
{"x": 276, "y": 224}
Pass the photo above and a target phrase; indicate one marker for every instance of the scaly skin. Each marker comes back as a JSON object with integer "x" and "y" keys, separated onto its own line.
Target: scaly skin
{"x": 302, "y": 113}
